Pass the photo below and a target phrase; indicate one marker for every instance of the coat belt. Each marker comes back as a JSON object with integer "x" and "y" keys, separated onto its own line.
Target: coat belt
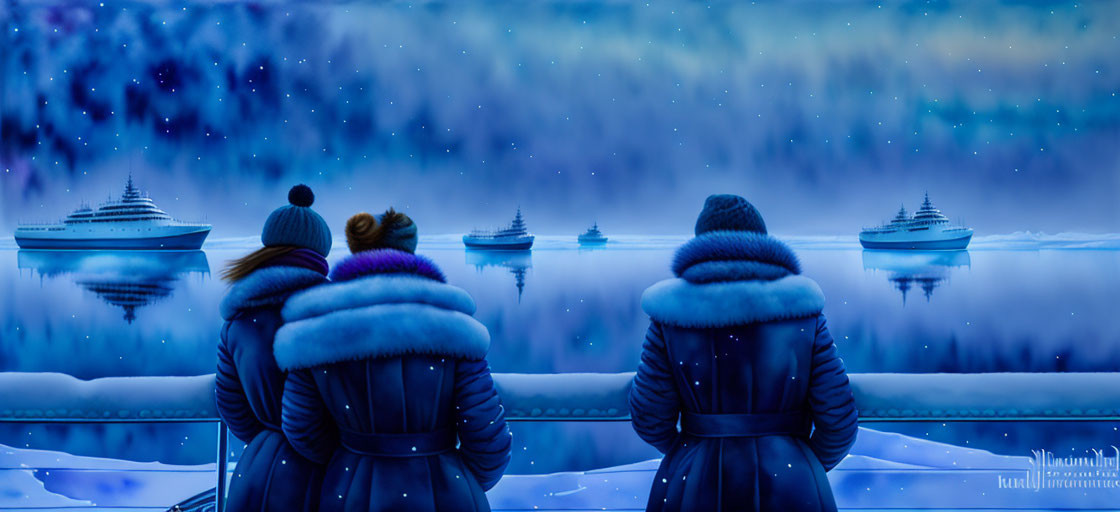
{"x": 795, "y": 423}
{"x": 418, "y": 444}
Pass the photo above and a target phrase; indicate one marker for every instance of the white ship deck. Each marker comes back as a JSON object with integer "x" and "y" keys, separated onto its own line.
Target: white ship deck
{"x": 928, "y": 229}
{"x": 132, "y": 222}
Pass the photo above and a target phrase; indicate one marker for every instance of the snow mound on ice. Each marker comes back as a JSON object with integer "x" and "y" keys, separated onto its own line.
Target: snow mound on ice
{"x": 20, "y": 488}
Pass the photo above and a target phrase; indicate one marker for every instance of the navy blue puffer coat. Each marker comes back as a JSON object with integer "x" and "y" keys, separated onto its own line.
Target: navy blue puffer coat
{"x": 738, "y": 352}
{"x": 270, "y": 475}
{"x": 390, "y": 387}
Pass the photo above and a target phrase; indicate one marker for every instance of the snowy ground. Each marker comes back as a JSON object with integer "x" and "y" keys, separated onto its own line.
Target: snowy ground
{"x": 885, "y": 471}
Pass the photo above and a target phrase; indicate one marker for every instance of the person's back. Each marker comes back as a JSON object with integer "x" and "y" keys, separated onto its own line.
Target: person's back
{"x": 249, "y": 385}
{"x": 738, "y": 351}
{"x": 398, "y": 420}
{"x": 388, "y": 371}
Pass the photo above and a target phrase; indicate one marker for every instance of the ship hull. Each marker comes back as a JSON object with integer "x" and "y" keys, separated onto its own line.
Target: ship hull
{"x": 950, "y": 244}
{"x": 190, "y": 241}
{"x": 498, "y": 246}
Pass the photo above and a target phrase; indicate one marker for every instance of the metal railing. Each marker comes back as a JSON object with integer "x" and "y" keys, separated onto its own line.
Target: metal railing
{"x": 60, "y": 398}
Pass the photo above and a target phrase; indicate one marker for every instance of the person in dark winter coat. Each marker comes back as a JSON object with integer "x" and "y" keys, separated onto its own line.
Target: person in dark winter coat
{"x": 387, "y": 370}
{"x": 270, "y": 475}
{"x": 738, "y": 351}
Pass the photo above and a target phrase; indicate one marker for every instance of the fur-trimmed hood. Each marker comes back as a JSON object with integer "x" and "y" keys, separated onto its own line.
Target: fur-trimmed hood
{"x": 724, "y": 304}
{"x": 734, "y": 256}
{"x": 268, "y": 286}
{"x": 727, "y": 278}
{"x": 370, "y": 314}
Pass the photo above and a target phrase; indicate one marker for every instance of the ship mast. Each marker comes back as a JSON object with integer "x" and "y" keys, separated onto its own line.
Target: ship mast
{"x": 902, "y": 215}
{"x": 130, "y": 191}
{"x": 518, "y": 223}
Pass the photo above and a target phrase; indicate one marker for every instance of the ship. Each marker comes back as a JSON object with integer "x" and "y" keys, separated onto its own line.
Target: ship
{"x": 514, "y": 238}
{"x": 130, "y": 223}
{"x": 593, "y": 236}
{"x": 926, "y": 230}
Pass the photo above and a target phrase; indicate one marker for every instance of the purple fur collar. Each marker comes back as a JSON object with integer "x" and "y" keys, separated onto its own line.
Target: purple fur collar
{"x": 385, "y": 261}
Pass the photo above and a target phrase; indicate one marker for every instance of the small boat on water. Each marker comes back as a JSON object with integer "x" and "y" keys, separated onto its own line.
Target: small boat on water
{"x": 592, "y": 236}
{"x": 132, "y": 222}
{"x": 927, "y": 230}
{"x": 516, "y": 237}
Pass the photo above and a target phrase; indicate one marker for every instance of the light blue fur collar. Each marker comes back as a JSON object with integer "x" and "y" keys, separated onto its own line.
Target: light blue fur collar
{"x": 385, "y": 315}
{"x": 267, "y": 287}
{"x": 745, "y": 270}
{"x": 724, "y": 304}
{"x": 377, "y": 289}
{"x": 734, "y": 249}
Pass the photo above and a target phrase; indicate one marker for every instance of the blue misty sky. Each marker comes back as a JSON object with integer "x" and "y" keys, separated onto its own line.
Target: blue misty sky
{"x": 826, "y": 115}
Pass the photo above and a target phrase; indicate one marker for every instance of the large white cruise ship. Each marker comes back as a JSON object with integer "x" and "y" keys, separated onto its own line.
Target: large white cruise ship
{"x": 133, "y": 222}
{"x": 927, "y": 230}
{"x": 514, "y": 238}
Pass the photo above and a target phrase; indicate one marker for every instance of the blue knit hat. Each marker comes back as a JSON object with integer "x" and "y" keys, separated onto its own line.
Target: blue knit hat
{"x": 297, "y": 224}
{"x": 728, "y": 212}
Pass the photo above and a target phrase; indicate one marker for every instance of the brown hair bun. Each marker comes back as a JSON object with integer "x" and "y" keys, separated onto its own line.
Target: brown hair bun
{"x": 364, "y": 232}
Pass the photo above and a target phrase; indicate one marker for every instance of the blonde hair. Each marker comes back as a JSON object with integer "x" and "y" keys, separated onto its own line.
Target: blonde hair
{"x": 240, "y": 268}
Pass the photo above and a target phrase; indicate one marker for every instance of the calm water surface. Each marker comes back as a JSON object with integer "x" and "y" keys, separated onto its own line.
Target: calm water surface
{"x": 565, "y": 309}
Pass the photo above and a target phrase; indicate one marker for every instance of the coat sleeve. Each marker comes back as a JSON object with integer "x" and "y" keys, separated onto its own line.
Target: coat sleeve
{"x": 830, "y": 401}
{"x": 655, "y": 405}
{"x": 305, "y": 419}
{"x": 484, "y": 438}
{"x": 233, "y": 405}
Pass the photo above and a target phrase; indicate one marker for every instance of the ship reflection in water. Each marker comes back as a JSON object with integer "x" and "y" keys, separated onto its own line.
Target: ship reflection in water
{"x": 909, "y": 269}
{"x": 516, "y": 261}
{"x": 127, "y": 279}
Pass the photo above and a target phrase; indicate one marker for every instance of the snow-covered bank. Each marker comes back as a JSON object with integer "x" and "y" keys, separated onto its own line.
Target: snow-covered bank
{"x": 1030, "y": 240}
{"x": 590, "y": 396}
{"x": 52, "y": 396}
{"x": 884, "y": 470}
{"x": 987, "y": 395}
{"x": 21, "y": 488}
{"x": 43, "y": 478}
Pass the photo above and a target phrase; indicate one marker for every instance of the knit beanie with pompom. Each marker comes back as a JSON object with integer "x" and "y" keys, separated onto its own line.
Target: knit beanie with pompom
{"x": 297, "y": 224}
